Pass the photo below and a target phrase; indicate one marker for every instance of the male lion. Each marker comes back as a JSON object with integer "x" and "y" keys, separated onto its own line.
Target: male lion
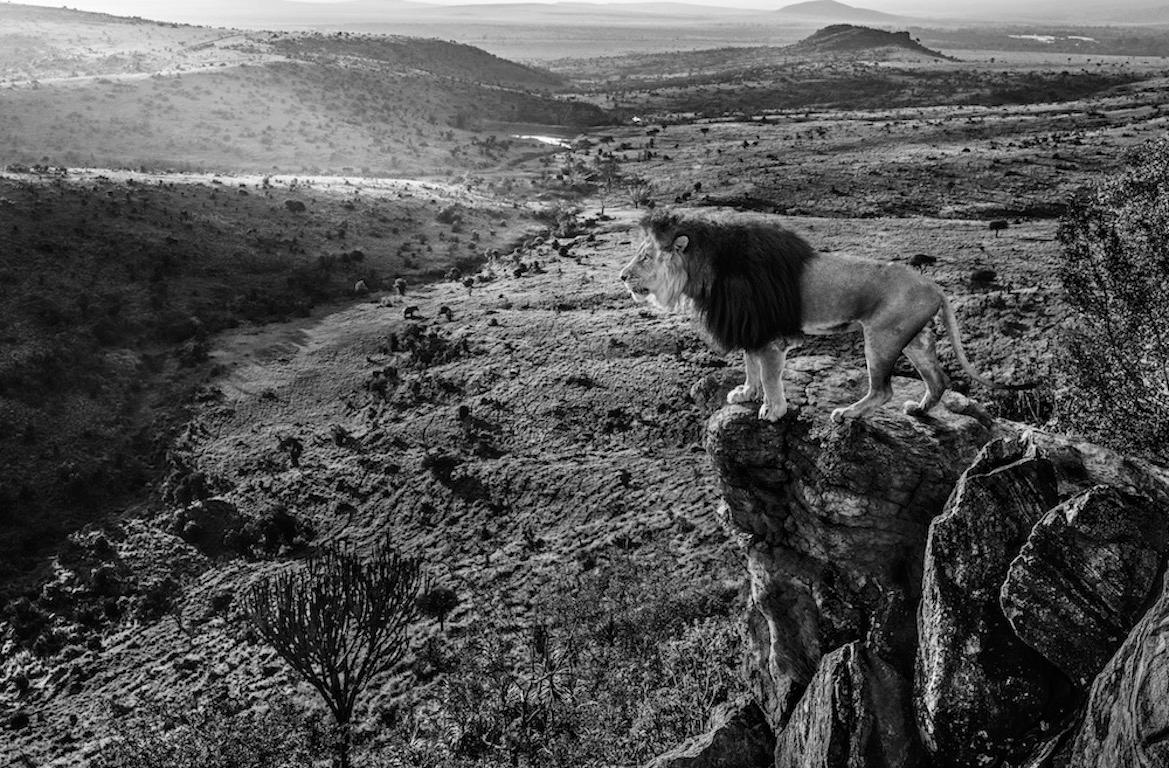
{"x": 757, "y": 287}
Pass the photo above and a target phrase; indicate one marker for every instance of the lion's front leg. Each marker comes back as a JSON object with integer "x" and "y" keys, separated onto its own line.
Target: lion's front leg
{"x": 771, "y": 359}
{"x": 752, "y": 387}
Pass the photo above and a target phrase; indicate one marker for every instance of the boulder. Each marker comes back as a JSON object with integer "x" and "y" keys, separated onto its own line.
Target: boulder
{"x": 855, "y": 712}
{"x": 979, "y": 690}
{"x": 211, "y": 526}
{"x": 1084, "y": 578}
{"x": 834, "y": 518}
{"x": 1126, "y": 721}
{"x": 739, "y": 737}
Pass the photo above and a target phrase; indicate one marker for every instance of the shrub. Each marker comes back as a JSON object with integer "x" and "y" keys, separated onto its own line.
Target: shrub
{"x": 220, "y": 732}
{"x": 1115, "y": 271}
{"x": 437, "y": 603}
{"x": 431, "y": 347}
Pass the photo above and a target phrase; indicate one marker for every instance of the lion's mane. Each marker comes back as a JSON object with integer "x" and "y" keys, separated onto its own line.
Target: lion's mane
{"x": 742, "y": 274}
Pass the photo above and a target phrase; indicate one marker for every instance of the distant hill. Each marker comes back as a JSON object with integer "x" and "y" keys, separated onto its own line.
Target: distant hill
{"x": 410, "y": 54}
{"x": 82, "y": 89}
{"x": 847, "y": 38}
{"x": 830, "y": 10}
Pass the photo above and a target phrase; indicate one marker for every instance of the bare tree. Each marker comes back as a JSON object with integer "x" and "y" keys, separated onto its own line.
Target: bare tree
{"x": 339, "y": 621}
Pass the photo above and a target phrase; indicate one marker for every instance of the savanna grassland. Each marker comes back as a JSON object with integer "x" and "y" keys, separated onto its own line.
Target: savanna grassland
{"x": 208, "y": 366}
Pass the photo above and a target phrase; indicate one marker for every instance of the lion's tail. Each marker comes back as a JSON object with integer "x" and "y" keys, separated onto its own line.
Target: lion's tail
{"x": 951, "y": 322}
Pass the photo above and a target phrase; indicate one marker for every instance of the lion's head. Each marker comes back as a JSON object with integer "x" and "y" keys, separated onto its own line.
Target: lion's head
{"x": 739, "y": 273}
{"x": 657, "y": 274}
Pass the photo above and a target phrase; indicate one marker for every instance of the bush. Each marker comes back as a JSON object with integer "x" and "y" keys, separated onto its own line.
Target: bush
{"x": 430, "y": 347}
{"x": 220, "y": 732}
{"x": 1115, "y": 271}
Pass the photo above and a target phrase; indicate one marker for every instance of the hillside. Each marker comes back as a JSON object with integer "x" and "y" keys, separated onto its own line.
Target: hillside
{"x": 93, "y": 90}
{"x": 847, "y": 38}
{"x": 440, "y": 58}
{"x": 111, "y": 289}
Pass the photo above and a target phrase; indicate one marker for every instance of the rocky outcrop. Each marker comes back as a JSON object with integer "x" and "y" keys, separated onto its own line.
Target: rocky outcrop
{"x": 739, "y": 737}
{"x": 939, "y": 591}
{"x": 1127, "y": 717}
{"x": 1091, "y": 563}
{"x": 980, "y": 690}
{"x": 853, "y": 713}
{"x": 835, "y": 519}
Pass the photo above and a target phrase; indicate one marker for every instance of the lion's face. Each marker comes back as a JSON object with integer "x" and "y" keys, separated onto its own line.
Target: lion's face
{"x": 656, "y": 274}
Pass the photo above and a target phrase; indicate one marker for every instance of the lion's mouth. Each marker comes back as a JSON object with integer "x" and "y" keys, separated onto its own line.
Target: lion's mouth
{"x": 639, "y": 294}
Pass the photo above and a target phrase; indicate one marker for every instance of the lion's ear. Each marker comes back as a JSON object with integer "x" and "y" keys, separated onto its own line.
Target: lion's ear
{"x": 680, "y": 243}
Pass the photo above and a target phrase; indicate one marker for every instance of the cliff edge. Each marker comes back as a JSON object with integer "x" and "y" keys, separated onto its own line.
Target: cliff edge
{"x": 949, "y": 591}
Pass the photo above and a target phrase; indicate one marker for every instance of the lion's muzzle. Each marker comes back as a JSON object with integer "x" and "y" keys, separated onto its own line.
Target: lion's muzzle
{"x": 639, "y": 292}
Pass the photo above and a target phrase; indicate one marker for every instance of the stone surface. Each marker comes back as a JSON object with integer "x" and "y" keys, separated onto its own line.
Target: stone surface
{"x": 739, "y": 738}
{"x": 855, "y": 712}
{"x": 210, "y": 525}
{"x": 1126, "y": 722}
{"x": 979, "y": 690}
{"x": 1084, "y": 578}
{"x": 834, "y": 519}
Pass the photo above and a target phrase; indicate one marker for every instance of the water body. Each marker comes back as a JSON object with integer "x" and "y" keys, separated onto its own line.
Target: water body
{"x": 554, "y": 141}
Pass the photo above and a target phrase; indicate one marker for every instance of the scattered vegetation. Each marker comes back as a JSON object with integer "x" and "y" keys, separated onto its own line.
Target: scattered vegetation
{"x": 612, "y": 669}
{"x": 221, "y": 731}
{"x": 1116, "y": 274}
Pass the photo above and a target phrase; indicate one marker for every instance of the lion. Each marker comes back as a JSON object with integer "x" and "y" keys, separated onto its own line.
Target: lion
{"x": 755, "y": 286}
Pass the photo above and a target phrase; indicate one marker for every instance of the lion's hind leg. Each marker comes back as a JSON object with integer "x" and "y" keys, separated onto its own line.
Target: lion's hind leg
{"x": 881, "y": 352}
{"x": 752, "y": 388}
{"x": 922, "y": 352}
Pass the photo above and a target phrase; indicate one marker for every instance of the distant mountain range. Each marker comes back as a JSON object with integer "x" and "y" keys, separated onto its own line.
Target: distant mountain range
{"x": 830, "y": 10}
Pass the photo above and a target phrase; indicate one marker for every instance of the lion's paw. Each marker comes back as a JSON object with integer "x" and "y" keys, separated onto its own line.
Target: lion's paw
{"x": 742, "y": 394}
{"x": 913, "y": 408}
{"x": 772, "y": 411}
{"x": 839, "y": 414}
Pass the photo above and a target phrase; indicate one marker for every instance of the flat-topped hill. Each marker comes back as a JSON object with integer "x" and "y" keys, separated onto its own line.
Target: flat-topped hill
{"x": 849, "y": 38}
